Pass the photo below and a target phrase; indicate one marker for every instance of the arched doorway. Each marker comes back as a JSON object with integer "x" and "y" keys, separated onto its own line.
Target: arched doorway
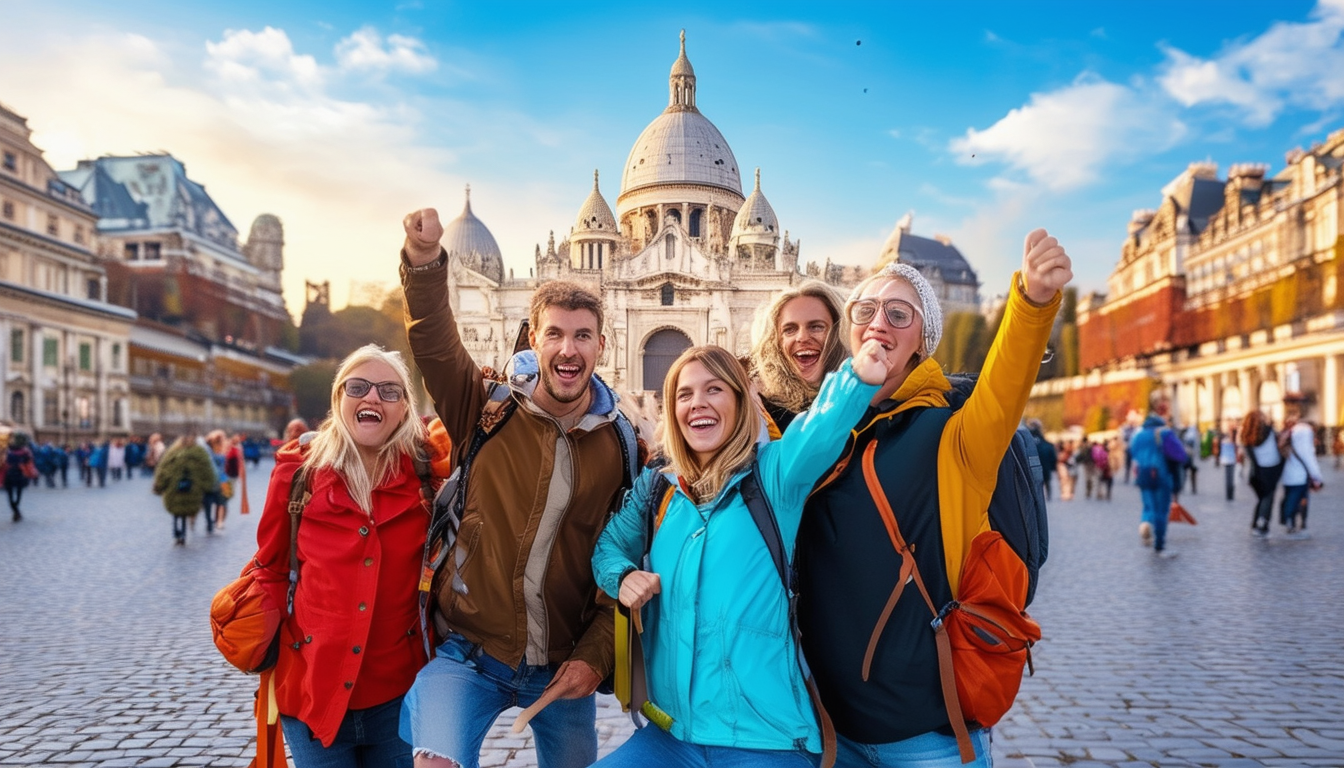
{"x": 660, "y": 351}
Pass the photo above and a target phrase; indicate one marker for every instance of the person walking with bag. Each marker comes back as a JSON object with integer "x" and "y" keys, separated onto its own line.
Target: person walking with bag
{"x": 20, "y": 468}
{"x": 1262, "y": 451}
{"x": 1161, "y": 459}
{"x": 183, "y": 477}
{"x": 1301, "y": 470}
{"x": 351, "y": 646}
{"x": 740, "y": 698}
{"x": 1228, "y": 455}
{"x": 868, "y": 639}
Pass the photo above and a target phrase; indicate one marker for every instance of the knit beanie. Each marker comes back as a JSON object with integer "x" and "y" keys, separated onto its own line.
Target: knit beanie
{"x": 933, "y": 311}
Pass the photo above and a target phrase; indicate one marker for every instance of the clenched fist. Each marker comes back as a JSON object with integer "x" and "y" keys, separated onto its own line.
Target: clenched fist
{"x": 423, "y": 232}
{"x": 1046, "y": 268}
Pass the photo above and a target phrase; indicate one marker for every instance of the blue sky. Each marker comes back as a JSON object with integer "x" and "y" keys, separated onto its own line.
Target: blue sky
{"x": 984, "y": 118}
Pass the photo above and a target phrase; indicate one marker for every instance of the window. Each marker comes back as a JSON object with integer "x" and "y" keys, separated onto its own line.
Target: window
{"x": 118, "y": 412}
{"x": 18, "y": 410}
{"x": 8, "y": 210}
{"x": 132, "y": 251}
{"x": 50, "y": 352}
{"x": 151, "y": 251}
{"x": 16, "y": 345}
{"x": 85, "y": 356}
{"x": 116, "y": 357}
{"x": 51, "y": 408}
{"x": 695, "y": 221}
{"x": 669, "y": 246}
{"x": 11, "y": 161}
{"x": 668, "y": 293}
{"x": 95, "y": 292}
{"x": 53, "y": 225}
{"x": 79, "y": 235}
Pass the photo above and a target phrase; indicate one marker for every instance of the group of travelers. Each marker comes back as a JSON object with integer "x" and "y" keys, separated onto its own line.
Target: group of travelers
{"x": 29, "y": 463}
{"x": 411, "y": 627}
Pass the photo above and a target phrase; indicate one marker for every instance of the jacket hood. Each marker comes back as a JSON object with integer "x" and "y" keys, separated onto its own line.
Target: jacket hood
{"x": 523, "y": 372}
{"x": 1154, "y": 420}
{"x": 926, "y": 386}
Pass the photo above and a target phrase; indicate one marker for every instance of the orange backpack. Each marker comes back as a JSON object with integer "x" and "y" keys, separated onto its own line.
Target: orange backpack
{"x": 984, "y": 636}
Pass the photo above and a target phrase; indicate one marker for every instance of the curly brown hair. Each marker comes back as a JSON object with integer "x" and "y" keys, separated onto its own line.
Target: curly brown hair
{"x": 776, "y": 375}
{"x": 1254, "y": 429}
{"x": 565, "y": 295}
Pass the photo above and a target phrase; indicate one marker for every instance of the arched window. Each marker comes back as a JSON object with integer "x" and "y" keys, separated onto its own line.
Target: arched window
{"x": 669, "y": 246}
{"x": 17, "y": 408}
{"x": 668, "y": 293}
{"x": 696, "y": 215}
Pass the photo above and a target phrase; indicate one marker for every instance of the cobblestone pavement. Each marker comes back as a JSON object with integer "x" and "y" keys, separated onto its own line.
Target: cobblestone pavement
{"x": 1227, "y": 655}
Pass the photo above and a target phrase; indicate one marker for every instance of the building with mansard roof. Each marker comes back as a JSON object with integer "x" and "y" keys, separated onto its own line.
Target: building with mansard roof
{"x": 205, "y": 350}
{"x": 63, "y": 346}
{"x": 684, "y": 258}
{"x": 953, "y": 280}
{"x": 1227, "y": 294}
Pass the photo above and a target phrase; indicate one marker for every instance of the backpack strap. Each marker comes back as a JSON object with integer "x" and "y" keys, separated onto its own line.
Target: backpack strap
{"x": 629, "y": 442}
{"x": 299, "y": 494}
{"x": 909, "y": 570}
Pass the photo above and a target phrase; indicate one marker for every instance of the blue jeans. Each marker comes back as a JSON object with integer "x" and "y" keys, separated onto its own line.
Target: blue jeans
{"x": 367, "y": 739}
{"x": 1156, "y": 509}
{"x": 460, "y": 693}
{"x": 927, "y": 750}
{"x": 652, "y": 746}
{"x": 1294, "y": 505}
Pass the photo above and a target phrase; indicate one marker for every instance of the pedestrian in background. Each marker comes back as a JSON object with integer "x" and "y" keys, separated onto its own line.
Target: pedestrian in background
{"x": 154, "y": 453}
{"x": 182, "y": 478}
{"x": 294, "y": 429}
{"x": 1227, "y": 459}
{"x": 1046, "y": 451}
{"x": 1101, "y": 464}
{"x": 1301, "y": 472}
{"x": 116, "y": 458}
{"x": 1339, "y": 446}
{"x": 1087, "y": 467}
{"x": 1262, "y": 451}
{"x": 1190, "y": 440}
{"x": 20, "y": 468}
{"x": 1068, "y": 470}
{"x": 1157, "y": 450}
{"x": 352, "y": 646}
{"x": 98, "y": 458}
{"x": 216, "y": 504}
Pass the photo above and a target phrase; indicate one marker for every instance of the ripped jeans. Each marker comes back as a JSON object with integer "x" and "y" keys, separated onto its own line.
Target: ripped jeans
{"x": 461, "y": 692}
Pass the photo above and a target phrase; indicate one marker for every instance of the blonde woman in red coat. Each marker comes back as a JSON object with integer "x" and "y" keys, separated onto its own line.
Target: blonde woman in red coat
{"x": 352, "y": 646}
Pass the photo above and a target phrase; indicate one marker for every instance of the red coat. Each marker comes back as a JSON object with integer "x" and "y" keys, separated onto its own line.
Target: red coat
{"x": 354, "y": 639}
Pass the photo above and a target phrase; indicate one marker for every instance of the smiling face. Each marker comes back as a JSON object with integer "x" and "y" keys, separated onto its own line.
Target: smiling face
{"x": 369, "y": 419}
{"x": 903, "y": 345}
{"x": 804, "y": 325}
{"x": 706, "y": 410}
{"x": 568, "y": 344}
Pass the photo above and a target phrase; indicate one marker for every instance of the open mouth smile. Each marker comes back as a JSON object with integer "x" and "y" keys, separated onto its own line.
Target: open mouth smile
{"x": 368, "y": 416}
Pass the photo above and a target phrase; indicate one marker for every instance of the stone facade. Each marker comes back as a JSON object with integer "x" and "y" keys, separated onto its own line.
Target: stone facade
{"x": 64, "y": 349}
{"x": 1227, "y": 294}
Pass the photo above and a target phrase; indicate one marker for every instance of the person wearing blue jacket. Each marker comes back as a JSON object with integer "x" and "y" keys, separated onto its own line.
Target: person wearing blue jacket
{"x": 1156, "y": 447}
{"x": 720, "y": 659}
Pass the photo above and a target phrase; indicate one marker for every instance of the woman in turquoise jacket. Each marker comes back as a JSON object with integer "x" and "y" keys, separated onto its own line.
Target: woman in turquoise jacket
{"x": 720, "y": 657}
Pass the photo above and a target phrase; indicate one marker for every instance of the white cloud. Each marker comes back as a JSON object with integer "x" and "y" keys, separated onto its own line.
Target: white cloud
{"x": 1063, "y": 139}
{"x": 249, "y": 58}
{"x": 1290, "y": 64}
{"x": 364, "y": 50}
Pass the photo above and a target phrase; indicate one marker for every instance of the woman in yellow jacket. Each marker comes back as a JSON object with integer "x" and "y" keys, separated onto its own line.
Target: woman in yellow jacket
{"x": 939, "y": 468}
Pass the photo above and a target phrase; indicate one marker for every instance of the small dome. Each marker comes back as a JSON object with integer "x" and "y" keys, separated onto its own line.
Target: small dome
{"x": 595, "y": 215}
{"x": 756, "y": 216}
{"x": 470, "y": 240}
{"x": 682, "y": 66}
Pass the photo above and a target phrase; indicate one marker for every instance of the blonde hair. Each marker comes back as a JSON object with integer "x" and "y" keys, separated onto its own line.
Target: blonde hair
{"x": 706, "y": 480}
{"x": 335, "y": 447}
{"x": 779, "y": 380}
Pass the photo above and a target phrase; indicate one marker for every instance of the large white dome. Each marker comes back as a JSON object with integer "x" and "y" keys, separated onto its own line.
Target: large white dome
{"x": 681, "y": 145}
{"x": 469, "y": 239}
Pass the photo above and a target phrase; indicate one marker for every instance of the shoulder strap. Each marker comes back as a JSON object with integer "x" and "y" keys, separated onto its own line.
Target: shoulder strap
{"x": 763, "y": 515}
{"x": 629, "y": 442}
{"x": 299, "y": 494}
{"x": 909, "y": 570}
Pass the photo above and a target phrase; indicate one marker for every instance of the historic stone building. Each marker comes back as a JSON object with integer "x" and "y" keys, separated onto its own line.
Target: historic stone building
{"x": 204, "y": 352}
{"x": 64, "y": 349}
{"x": 686, "y": 258}
{"x": 938, "y": 260}
{"x": 1228, "y": 295}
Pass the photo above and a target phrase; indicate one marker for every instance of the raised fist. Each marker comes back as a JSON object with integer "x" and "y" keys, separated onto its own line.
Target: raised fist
{"x": 423, "y": 232}
{"x": 1046, "y": 268}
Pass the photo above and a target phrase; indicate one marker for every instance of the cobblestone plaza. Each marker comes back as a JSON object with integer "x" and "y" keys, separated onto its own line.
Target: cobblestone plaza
{"x": 1227, "y": 655}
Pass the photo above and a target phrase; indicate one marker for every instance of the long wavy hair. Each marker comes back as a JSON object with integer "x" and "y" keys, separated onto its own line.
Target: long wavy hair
{"x": 705, "y": 480}
{"x": 778, "y": 380}
{"x": 1254, "y": 429}
{"x": 334, "y": 446}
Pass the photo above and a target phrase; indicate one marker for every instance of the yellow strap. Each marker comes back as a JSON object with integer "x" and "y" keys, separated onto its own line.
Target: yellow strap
{"x": 662, "y": 509}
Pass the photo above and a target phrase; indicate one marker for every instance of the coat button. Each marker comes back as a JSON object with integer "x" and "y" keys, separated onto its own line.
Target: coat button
{"x": 368, "y": 561}
{"x": 357, "y": 649}
{"x": 363, "y": 530}
{"x": 349, "y": 685}
{"x": 362, "y": 606}
{"x": 308, "y": 639}
{"x": 296, "y": 645}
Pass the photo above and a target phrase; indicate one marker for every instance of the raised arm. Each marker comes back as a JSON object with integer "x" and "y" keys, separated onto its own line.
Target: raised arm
{"x": 452, "y": 378}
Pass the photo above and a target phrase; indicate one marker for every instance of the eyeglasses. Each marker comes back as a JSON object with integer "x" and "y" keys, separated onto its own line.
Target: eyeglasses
{"x": 388, "y": 391}
{"x": 899, "y": 313}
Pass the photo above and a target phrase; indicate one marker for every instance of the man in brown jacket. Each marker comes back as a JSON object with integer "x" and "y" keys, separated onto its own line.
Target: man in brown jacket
{"x": 514, "y": 600}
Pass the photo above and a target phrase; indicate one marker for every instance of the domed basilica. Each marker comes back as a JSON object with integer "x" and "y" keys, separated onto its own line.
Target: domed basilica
{"x": 685, "y": 258}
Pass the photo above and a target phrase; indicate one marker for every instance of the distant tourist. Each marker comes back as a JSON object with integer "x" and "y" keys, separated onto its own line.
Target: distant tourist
{"x": 19, "y": 469}
{"x": 183, "y": 478}
{"x": 1301, "y": 471}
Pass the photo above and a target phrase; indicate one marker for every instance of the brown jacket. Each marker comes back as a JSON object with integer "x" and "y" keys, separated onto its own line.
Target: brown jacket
{"x": 520, "y": 580}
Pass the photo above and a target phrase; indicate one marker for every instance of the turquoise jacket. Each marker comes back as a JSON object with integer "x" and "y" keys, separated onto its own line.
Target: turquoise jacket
{"x": 719, "y": 654}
